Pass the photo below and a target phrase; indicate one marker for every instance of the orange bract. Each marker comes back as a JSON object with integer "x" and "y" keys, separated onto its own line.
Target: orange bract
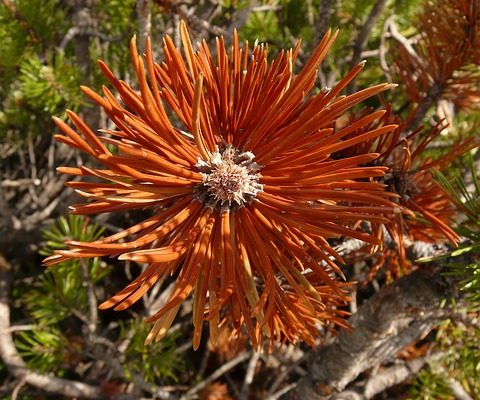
{"x": 243, "y": 190}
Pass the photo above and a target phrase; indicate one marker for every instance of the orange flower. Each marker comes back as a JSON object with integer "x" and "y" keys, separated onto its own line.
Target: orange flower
{"x": 243, "y": 191}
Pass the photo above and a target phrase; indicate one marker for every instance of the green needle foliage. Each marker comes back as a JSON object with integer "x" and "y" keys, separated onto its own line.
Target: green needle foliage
{"x": 458, "y": 342}
{"x": 44, "y": 348}
{"x": 36, "y": 79}
{"x": 58, "y": 297}
{"x": 458, "y": 346}
{"x": 40, "y": 89}
{"x": 430, "y": 386}
{"x": 67, "y": 278}
{"x": 61, "y": 289}
{"x": 467, "y": 198}
{"x": 160, "y": 360}
{"x": 49, "y": 87}
{"x": 73, "y": 227}
{"x": 58, "y": 306}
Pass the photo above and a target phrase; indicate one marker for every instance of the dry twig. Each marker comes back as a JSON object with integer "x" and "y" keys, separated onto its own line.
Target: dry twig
{"x": 217, "y": 374}
{"x": 252, "y": 365}
{"x": 363, "y": 36}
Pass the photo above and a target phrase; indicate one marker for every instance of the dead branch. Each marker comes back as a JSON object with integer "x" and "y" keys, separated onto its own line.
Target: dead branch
{"x": 402, "y": 40}
{"x": 393, "y": 376}
{"x": 382, "y": 51}
{"x": 325, "y": 12}
{"x": 144, "y": 16}
{"x": 92, "y": 302}
{"x": 84, "y": 20}
{"x": 250, "y": 373}
{"x": 217, "y": 374}
{"x": 363, "y": 36}
{"x": 432, "y": 96}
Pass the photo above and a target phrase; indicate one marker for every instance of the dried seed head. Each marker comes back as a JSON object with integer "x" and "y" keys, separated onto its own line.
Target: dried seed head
{"x": 230, "y": 179}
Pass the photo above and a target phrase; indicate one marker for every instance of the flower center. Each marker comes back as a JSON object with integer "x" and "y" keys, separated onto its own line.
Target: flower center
{"x": 230, "y": 179}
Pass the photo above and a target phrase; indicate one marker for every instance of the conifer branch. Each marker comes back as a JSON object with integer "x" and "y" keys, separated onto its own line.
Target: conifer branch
{"x": 11, "y": 7}
{"x": 396, "y": 316}
{"x": 14, "y": 362}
